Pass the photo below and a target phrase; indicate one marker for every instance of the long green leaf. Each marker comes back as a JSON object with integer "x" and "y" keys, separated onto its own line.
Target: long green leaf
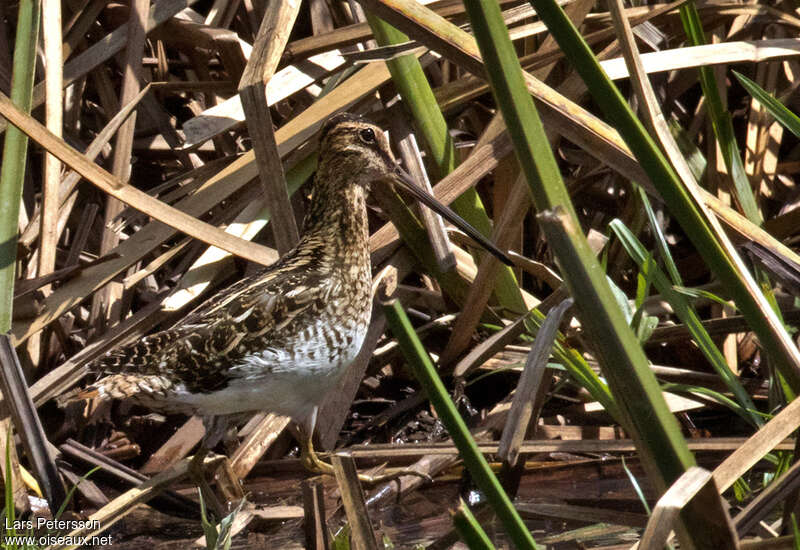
{"x": 777, "y": 109}
{"x": 580, "y": 371}
{"x": 658, "y": 437}
{"x": 481, "y": 472}
{"x": 410, "y": 80}
{"x": 687, "y": 314}
{"x": 470, "y": 529}
{"x": 767, "y": 326}
{"x": 721, "y": 120}
{"x": 15, "y": 151}
{"x": 621, "y": 357}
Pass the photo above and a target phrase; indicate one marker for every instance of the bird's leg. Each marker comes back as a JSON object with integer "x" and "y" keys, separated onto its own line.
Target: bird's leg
{"x": 215, "y": 429}
{"x": 308, "y": 456}
{"x": 312, "y": 462}
{"x": 197, "y": 472}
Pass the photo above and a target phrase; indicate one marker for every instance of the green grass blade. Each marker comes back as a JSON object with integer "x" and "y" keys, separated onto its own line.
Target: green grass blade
{"x": 15, "y": 152}
{"x": 738, "y": 408}
{"x": 209, "y": 528}
{"x": 723, "y": 129}
{"x": 721, "y": 120}
{"x": 577, "y": 367}
{"x": 765, "y": 324}
{"x": 413, "y": 86}
{"x": 777, "y": 109}
{"x": 658, "y": 437}
{"x": 636, "y": 487}
{"x": 661, "y": 240}
{"x": 469, "y": 529}
{"x": 687, "y": 314}
{"x": 482, "y": 474}
{"x": 621, "y": 356}
{"x": 697, "y": 293}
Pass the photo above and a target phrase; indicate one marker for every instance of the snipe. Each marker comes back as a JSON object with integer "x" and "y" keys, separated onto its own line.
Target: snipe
{"x": 279, "y": 340}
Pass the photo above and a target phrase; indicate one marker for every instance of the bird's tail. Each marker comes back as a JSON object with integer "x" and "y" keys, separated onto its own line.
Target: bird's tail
{"x": 148, "y": 390}
{"x": 77, "y": 395}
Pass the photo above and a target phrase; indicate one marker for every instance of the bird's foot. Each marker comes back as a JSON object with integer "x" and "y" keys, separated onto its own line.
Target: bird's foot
{"x": 392, "y": 476}
{"x": 313, "y": 463}
{"x": 197, "y": 472}
{"x": 228, "y": 482}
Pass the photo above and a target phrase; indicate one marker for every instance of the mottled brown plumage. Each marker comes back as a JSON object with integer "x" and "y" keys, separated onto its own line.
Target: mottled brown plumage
{"x": 309, "y": 311}
{"x": 278, "y": 340}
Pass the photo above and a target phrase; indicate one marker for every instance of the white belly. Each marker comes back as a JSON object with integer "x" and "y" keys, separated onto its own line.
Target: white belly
{"x": 288, "y": 381}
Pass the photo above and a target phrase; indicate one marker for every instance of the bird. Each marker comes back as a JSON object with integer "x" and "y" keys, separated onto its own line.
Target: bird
{"x": 277, "y": 341}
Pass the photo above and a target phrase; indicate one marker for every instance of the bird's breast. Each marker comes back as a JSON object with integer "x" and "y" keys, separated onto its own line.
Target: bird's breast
{"x": 321, "y": 344}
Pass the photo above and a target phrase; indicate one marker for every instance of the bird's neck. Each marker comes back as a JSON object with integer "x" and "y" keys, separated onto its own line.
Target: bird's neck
{"x": 336, "y": 223}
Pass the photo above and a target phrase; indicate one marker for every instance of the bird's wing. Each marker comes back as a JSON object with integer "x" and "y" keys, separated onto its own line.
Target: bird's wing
{"x": 200, "y": 349}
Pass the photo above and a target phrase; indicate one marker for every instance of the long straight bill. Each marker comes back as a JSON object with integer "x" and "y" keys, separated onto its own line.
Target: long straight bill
{"x": 405, "y": 181}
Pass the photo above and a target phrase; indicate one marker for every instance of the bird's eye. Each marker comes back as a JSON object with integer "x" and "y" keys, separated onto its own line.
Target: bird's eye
{"x": 367, "y": 135}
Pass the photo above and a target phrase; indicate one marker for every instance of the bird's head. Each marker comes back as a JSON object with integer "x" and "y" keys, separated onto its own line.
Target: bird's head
{"x": 359, "y": 146}
{"x": 362, "y": 149}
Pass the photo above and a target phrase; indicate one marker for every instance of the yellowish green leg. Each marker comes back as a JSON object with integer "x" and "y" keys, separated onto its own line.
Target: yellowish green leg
{"x": 313, "y": 463}
{"x": 197, "y": 472}
{"x": 216, "y": 427}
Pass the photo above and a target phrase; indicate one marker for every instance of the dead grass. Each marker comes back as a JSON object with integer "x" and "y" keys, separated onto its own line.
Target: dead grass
{"x": 199, "y": 168}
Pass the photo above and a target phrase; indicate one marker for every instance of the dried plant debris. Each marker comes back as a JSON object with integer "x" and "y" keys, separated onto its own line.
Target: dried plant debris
{"x": 175, "y": 158}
